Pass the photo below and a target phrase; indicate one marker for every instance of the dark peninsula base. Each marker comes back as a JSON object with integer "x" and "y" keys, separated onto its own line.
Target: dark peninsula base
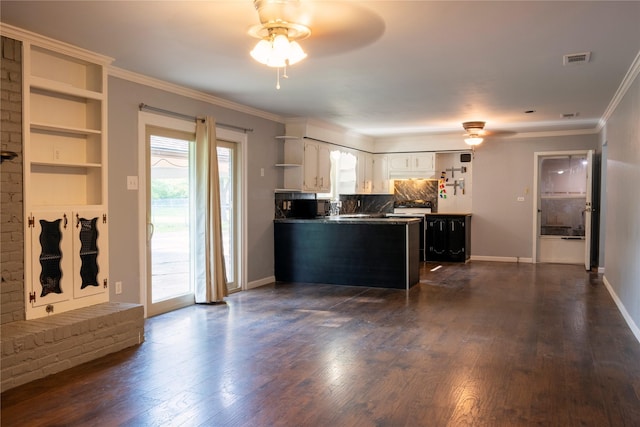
{"x": 374, "y": 253}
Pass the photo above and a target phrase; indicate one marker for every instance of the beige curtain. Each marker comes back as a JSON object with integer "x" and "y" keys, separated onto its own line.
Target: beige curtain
{"x": 210, "y": 275}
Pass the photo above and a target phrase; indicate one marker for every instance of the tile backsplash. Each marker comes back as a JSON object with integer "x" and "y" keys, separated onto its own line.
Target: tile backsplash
{"x": 366, "y": 203}
{"x": 417, "y": 189}
{"x": 286, "y": 206}
{"x": 289, "y": 205}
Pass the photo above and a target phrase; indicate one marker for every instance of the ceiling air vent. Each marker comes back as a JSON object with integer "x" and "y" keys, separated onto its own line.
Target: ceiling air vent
{"x": 576, "y": 58}
{"x": 568, "y": 115}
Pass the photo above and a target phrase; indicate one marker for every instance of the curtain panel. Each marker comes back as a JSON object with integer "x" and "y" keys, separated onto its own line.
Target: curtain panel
{"x": 210, "y": 274}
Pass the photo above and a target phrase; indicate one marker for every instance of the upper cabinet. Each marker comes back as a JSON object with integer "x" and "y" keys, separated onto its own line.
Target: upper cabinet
{"x": 65, "y": 178}
{"x": 317, "y": 167}
{"x": 364, "y": 172}
{"x": 380, "y": 175}
{"x": 411, "y": 165}
{"x": 307, "y": 166}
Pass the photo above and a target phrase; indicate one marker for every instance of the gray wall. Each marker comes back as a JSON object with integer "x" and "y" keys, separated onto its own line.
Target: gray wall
{"x": 502, "y": 171}
{"x": 622, "y": 201}
{"x": 263, "y": 151}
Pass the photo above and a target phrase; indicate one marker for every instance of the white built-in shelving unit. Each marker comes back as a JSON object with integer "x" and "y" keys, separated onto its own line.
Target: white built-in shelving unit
{"x": 65, "y": 177}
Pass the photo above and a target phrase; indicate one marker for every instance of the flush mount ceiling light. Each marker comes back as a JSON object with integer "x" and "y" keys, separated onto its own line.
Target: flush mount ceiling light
{"x": 475, "y": 130}
{"x": 278, "y": 32}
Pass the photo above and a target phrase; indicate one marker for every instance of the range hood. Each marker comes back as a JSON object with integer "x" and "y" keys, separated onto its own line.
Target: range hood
{"x": 412, "y": 174}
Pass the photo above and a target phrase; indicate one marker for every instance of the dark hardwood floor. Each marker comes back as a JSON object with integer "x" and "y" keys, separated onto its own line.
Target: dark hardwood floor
{"x": 481, "y": 344}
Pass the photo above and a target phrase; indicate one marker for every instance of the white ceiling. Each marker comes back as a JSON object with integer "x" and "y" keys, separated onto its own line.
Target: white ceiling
{"x": 376, "y": 67}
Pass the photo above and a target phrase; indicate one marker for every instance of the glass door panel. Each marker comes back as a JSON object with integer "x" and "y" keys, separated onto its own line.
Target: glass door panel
{"x": 564, "y": 199}
{"x": 563, "y": 185}
{"x": 170, "y": 212}
{"x": 227, "y": 169}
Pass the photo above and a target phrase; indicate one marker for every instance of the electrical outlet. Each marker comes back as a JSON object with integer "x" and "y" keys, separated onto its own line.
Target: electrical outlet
{"x": 118, "y": 288}
{"x": 520, "y": 199}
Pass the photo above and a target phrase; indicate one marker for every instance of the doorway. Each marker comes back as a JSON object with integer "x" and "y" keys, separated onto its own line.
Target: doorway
{"x": 233, "y": 163}
{"x": 562, "y": 211}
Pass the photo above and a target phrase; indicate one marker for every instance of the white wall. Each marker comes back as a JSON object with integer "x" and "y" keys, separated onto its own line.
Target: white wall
{"x": 263, "y": 152}
{"x": 622, "y": 203}
{"x": 458, "y": 203}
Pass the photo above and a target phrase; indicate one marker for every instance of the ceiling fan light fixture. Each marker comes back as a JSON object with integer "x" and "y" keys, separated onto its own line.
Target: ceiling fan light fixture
{"x": 473, "y": 140}
{"x": 474, "y": 132}
{"x": 296, "y": 54}
{"x": 262, "y": 51}
{"x": 278, "y": 52}
{"x": 278, "y": 34}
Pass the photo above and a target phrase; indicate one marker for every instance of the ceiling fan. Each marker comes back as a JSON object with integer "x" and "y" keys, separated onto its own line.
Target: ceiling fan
{"x": 338, "y": 27}
{"x": 475, "y": 132}
{"x": 279, "y": 30}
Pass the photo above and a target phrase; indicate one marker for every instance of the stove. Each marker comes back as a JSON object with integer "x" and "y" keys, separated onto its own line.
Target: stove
{"x": 412, "y": 207}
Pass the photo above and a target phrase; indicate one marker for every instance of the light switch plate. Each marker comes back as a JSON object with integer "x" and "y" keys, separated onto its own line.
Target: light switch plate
{"x": 132, "y": 183}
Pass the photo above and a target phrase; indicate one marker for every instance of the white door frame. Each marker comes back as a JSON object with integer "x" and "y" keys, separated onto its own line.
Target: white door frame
{"x": 536, "y": 200}
{"x": 144, "y": 119}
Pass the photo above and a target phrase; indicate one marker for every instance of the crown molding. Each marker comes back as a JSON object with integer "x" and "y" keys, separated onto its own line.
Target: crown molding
{"x": 546, "y": 134}
{"x": 52, "y": 44}
{"x": 626, "y": 83}
{"x": 190, "y": 93}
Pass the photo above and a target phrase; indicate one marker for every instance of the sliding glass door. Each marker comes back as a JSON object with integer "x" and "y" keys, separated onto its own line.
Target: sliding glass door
{"x": 170, "y": 220}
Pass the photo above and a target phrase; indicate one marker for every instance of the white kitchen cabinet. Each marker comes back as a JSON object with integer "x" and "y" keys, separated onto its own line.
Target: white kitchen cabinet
{"x": 408, "y": 162}
{"x": 364, "y": 172}
{"x": 380, "y": 174}
{"x": 65, "y": 155}
{"x": 317, "y": 167}
{"x": 307, "y": 166}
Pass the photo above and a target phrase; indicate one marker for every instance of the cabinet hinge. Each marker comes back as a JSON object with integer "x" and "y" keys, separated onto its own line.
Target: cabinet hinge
{"x": 32, "y": 297}
{"x": 105, "y": 283}
{"x": 31, "y": 222}
{"x": 104, "y": 218}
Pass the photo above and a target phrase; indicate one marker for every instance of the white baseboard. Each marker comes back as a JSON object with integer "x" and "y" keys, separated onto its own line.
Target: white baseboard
{"x": 261, "y": 282}
{"x": 501, "y": 259}
{"x": 623, "y": 310}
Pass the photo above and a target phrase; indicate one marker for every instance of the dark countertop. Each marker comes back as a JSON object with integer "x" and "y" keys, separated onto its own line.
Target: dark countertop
{"x": 449, "y": 214}
{"x": 338, "y": 219}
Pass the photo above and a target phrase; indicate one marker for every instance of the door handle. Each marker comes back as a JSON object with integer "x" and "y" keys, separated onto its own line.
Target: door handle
{"x": 151, "y": 230}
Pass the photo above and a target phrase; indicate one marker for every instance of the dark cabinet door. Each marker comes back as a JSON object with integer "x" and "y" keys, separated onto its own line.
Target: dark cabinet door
{"x": 436, "y": 239}
{"x": 447, "y": 238}
{"x": 457, "y": 238}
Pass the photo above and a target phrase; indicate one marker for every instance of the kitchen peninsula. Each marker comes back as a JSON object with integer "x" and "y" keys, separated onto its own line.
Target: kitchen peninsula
{"x": 348, "y": 250}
